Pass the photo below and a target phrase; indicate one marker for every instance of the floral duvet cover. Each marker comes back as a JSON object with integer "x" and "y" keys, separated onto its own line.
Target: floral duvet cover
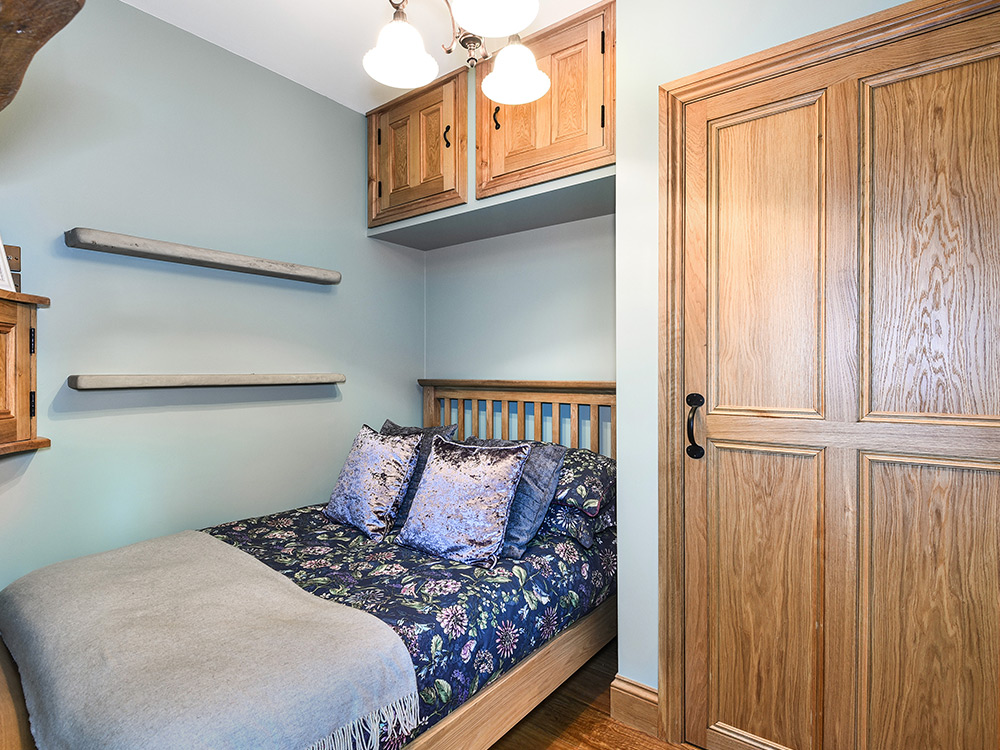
{"x": 463, "y": 625}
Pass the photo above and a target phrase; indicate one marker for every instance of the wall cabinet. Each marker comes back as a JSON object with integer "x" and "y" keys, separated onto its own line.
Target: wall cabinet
{"x": 571, "y": 128}
{"x": 417, "y": 151}
{"x": 17, "y": 372}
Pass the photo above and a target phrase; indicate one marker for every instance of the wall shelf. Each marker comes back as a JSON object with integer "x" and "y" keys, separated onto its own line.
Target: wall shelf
{"x": 120, "y": 382}
{"x": 172, "y": 252}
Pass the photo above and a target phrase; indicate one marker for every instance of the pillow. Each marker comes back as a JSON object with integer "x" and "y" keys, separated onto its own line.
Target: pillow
{"x": 426, "y": 436}
{"x": 373, "y": 481}
{"x": 587, "y": 481}
{"x": 461, "y": 506}
{"x": 561, "y": 520}
{"x": 606, "y": 519}
{"x": 534, "y": 492}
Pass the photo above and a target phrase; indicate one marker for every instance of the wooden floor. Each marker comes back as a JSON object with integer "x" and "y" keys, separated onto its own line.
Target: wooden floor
{"x": 577, "y": 715}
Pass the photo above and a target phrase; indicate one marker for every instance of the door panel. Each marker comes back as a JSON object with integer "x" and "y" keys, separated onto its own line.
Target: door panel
{"x": 932, "y": 245}
{"x": 932, "y": 619}
{"x": 765, "y": 521}
{"x": 839, "y": 278}
{"x": 765, "y": 259}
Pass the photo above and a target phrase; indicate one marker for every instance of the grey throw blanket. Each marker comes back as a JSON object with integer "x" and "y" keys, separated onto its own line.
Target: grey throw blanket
{"x": 187, "y": 642}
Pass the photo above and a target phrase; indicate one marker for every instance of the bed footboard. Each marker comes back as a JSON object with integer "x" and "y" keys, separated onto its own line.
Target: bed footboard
{"x": 15, "y": 733}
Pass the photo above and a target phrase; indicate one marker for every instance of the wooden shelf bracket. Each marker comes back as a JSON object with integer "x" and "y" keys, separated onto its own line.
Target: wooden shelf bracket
{"x": 172, "y": 252}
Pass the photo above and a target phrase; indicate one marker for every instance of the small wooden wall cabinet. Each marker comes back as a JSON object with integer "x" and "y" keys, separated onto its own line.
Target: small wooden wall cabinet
{"x": 17, "y": 373}
{"x": 572, "y": 128}
{"x": 417, "y": 151}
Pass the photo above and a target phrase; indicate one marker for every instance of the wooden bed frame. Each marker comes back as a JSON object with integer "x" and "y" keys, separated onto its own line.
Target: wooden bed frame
{"x": 492, "y": 712}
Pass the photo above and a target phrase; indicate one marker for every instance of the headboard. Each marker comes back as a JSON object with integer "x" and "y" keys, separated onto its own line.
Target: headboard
{"x": 578, "y": 414}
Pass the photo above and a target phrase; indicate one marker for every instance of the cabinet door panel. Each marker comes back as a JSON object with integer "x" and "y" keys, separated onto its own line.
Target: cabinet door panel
{"x": 568, "y": 130}
{"x": 417, "y": 152}
{"x": 15, "y": 372}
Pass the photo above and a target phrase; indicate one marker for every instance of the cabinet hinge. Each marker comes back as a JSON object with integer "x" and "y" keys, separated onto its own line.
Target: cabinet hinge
{"x": 602, "y": 115}
{"x": 380, "y": 188}
{"x": 31, "y": 340}
{"x": 31, "y": 404}
{"x": 380, "y": 136}
{"x": 602, "y": 42}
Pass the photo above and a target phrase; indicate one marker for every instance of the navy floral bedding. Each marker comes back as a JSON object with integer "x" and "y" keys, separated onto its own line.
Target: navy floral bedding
{"x": 463, "y": 625}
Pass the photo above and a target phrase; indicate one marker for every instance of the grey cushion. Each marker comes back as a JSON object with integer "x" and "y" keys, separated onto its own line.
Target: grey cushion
{"x": 426, "y": 437}
{"x": 373, "y": 481}
{"x": 461, "y": 506}
{"x": 534, "y": 492}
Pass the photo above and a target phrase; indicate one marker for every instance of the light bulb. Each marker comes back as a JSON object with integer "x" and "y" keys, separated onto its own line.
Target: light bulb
{"x": 495, "y": 18}
{"x": 398, "y": 58}
{"x": 516, "y": 78}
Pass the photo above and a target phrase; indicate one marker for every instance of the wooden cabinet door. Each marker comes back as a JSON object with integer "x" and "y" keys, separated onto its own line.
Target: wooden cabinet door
{"x": 16, "y": 321}
{"x": 840, "y": 276}
{"x": 571, "y": 128}
{"x": 417, "y": 152}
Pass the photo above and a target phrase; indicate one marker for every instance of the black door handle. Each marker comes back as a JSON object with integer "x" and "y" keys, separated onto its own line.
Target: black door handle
{"x": 496, "y": 122}
{"x": 694, "y": 400}
{"x": 447, "y": 143}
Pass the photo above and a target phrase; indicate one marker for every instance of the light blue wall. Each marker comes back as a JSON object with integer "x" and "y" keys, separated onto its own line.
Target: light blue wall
{"x": 127, "y": 124}
{"x": 658, "y": 42}
{"x": 536, "y": 305}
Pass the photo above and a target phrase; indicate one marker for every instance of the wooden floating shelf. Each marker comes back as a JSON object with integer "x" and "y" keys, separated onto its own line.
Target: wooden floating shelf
{"x": 172, "y": 252}
{"x": 120, "y": 382}
{"x": 23, "y": 446}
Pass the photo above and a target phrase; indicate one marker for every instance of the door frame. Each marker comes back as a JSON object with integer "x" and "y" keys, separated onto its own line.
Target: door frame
{"x": 881, "y": 28}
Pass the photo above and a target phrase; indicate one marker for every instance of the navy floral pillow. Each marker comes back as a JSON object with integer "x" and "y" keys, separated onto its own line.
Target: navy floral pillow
{"x": 461, "y": 506}
{"x": 373, "y": 481}
{"x": 534, "y": 492}
{"x": 561, "y": 520}
{"x": 426, "y": 437}
{"x": 587, "y": 481}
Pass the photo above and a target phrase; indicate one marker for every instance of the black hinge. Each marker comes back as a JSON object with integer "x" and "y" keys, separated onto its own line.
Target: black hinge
{"x": 602, "y": 115}
{"x": 31, "y": 340}
{"x": 31, "y": 404}
{"x": 380, "y": 188}
{"x": 380, "y": 136}
{"x": 602, "y": 42}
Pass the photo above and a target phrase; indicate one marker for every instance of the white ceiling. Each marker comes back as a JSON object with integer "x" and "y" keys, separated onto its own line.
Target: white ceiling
{"x": 320, "y": 43}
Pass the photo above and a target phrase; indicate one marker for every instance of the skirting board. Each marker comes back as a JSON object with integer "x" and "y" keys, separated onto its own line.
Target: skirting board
{"x": 635, "y": 704}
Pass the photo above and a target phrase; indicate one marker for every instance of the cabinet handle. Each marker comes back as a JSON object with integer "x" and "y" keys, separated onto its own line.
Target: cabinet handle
{"x": 447, "y": 143}
{"x": 694, "y": 400}
{"x": 496, "y": 122}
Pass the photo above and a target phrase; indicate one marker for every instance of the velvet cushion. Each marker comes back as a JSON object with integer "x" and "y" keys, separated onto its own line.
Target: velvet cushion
{"x": 373, "y": 481}
{"x": 587, "y": 481}
{"x": 534, "y": 492}
{"x": 426, "y": 437}
{"x": 461, "y": 506}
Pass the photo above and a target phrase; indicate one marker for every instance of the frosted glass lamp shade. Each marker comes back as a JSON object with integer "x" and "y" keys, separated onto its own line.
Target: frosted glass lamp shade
{"x": 516, "y": 78}
{"x": 496, "y": 18}
{"x": 399, "y": 59}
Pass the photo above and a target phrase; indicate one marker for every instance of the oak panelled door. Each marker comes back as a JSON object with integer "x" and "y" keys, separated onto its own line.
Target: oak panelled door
{"x": 835, "y": 240}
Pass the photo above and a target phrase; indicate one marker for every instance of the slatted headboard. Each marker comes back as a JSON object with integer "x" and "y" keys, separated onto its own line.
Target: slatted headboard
{"x": 578, "y": 414}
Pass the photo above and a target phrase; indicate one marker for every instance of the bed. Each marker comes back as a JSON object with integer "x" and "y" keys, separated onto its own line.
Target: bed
{"x": 585, "y": 417}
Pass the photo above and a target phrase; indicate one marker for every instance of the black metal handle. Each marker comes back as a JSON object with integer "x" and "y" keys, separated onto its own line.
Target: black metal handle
{"x": 694, "y": 400}
{"x": 496, "y": 122}
{"x": 447, "y": 143}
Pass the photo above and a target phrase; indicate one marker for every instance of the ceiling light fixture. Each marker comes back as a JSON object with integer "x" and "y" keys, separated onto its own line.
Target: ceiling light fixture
{"x": 400, "y": 60}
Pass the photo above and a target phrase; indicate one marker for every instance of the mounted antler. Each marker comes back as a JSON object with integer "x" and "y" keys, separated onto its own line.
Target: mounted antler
{"x": 25, "y": 25}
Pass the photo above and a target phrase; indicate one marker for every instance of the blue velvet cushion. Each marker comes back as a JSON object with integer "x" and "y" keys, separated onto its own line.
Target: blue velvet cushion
{"x": 534, "y": 492}
{"x": 373, "y": 481}
{"x": 426, "y": 437}
{"x": 461, "y": 506}
{"x": 587, "y": 481}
